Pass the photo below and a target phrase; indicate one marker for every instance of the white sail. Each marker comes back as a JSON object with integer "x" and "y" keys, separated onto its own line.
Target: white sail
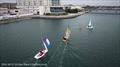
{"x": 46, "y": 49}
{"x": 90, "y": 26}
{"x": 67, "y": 33}
{"x": 90, "y": 23}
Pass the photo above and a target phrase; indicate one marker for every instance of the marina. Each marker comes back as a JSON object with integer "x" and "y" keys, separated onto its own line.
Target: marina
{"x": 20, "y": 41}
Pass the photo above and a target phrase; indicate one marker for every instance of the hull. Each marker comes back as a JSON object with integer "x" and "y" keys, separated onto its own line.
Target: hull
{"x": 91, "y": 27}
{"x": 40, "y": 54}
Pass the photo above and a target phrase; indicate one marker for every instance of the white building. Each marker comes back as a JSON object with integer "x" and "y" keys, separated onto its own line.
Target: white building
{"x": 39, "y": 6}
{"x": 3, "y": 11}
{"x": 34, "y": 6}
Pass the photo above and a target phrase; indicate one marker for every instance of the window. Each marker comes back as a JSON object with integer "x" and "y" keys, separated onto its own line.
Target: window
{"x": 56, "y": 9}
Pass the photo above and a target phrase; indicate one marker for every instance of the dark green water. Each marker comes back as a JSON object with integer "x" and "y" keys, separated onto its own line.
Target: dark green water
{"x": 20, "y": 41}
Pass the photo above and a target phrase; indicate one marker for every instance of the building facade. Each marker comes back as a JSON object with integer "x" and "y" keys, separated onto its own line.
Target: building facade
{"x": 25, "y": 3}
{"x": 32, "y": 2}
{"x": 37, "y": 6}
{"x": 55, "y": 2}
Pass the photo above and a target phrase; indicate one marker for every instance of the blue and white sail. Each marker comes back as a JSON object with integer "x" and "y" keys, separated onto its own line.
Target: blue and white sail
{"x": 47, "y": 42}
{"x": 46, "y": 49}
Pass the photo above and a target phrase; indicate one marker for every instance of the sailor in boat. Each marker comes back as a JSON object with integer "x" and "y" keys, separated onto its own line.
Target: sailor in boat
{"x": 40, "y": 54}
{"x": 64, "y": 39}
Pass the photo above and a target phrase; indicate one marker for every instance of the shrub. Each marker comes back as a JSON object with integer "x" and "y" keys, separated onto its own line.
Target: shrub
{"x": 72, "y": 10}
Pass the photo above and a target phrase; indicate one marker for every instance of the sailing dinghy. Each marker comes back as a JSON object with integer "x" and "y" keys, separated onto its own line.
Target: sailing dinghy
{"x": 90, "y": 26}
{"x": 66, "y": 36}
{"x": 42, "y": 53}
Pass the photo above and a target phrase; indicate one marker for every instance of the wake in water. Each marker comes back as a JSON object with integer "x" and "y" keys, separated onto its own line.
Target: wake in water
{"x": 61, "y": 59}
{"x": 29, "y": 60}
{"x": 77, "y": 56}
{"x": 52, "y": 62}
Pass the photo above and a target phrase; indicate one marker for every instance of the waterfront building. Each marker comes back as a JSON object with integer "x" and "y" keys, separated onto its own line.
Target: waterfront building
{"x": 33, "y": 6}
{"x": 3, "y": 11}
{"x": 55, "y": 2}
{"x": 56, "y": 7}
{"x": 40, "y": 7}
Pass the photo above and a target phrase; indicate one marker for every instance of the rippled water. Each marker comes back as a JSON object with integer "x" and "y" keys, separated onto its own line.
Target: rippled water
{"x": 20, "y": 41}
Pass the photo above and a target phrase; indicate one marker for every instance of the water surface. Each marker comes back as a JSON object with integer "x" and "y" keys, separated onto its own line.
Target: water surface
{"x": 20, "y": 41}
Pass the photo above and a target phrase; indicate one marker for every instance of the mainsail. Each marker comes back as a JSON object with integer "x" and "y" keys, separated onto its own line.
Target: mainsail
{"x": 90, "y": 26}
{"x": 67, "y": 33}
{"x": 47, "y": 42}
{"x": 90, "y": 23}
{"x": 46, "y": 49}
